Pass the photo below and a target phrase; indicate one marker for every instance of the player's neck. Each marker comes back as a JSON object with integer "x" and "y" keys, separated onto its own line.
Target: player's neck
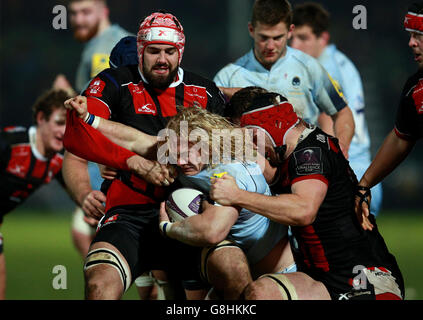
{"x": 104, "y": 24}
{"x": 293, "y": 139}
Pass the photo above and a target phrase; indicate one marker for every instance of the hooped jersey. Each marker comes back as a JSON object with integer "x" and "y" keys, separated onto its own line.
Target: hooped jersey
{"x": 409, "y": 120}
{"x": 122, "y": 95}
{"x": 23, "y": 169}
{"x": 333, "y": 247}
{"x": 255, "y": 234}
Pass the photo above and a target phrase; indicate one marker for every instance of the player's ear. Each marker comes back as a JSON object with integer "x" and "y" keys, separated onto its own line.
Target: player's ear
{"x": 40, "y": 117}
{"x": 325, "y": 37}
{"x": 251, "y": 29}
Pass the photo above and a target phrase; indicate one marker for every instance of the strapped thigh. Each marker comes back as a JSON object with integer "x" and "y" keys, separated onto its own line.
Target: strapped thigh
{"x": 109, "y": 257}
{"x": 285, "y": 286}
{"x": 206, "y": 252}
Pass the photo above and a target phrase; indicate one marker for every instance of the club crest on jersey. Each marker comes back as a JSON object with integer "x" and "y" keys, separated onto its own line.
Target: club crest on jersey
{"x": 296, "y": 81}
{"x": 308, "y": 161}
{"x": 95, "y": 88}
{"x": 418, "y": 97}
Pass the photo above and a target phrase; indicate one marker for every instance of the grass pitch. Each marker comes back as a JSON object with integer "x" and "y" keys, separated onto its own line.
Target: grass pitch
{"x": 34, "y": 243}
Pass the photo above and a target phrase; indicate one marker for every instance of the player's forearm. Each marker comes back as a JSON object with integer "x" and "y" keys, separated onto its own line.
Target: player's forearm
{"x": 344, "y": 126}
{"x": 194, "y": 231}
{"x": 77, "y": 179}
{"x": 287, "y": 209}
{"x": 127, "y": 137}
{"x": 90, "y": 144}
{"x": 392, "y": 152}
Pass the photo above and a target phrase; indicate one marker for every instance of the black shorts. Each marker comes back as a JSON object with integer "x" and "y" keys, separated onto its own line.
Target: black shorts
{"x": 134, "y": 231}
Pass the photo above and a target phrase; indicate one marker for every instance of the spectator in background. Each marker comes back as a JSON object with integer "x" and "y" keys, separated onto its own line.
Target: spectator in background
{"x": 408, "y": 124}
{"x": 311, "y": 35}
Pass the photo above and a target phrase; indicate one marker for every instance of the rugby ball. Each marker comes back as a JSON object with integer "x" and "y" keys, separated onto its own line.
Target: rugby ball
{"x": 183, "y": 203}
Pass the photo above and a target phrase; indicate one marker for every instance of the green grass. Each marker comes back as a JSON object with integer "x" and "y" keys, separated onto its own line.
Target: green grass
{"x": 35, "y": 243}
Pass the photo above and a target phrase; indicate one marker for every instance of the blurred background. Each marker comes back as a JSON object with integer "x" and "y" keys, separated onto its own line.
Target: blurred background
{"x": 32, "y": 53}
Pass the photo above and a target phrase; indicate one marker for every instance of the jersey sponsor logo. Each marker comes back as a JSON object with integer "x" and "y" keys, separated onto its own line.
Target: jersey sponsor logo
{"x": 195, "y": 95}
{"x": 321, "y": 138}
{"x": 140, "y": 100}
{"x": 95, "y": 88}
{"x": 418, "y": 97}
{"x": 99, "y": 62}
{"x": 308, "y": 161}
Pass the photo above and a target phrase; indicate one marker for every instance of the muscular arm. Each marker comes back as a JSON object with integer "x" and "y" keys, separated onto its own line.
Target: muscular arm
{"x": 120, "y": 134}
{"x": 296, "y": 209}
{"x": 206, "y": 229}
{"x": 344, "y": 127}
{"x": 392, "y": 152}
{"x": 77, "y": 179}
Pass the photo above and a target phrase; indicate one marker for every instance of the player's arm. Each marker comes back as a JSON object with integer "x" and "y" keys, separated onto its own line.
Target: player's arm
{"x": 124, "y": 136}
{"x": 392, "y": 152}
{"x": 326, "y": 123}
{"x": 77, "y": 179}
{"x": 206, "y": 229}
{"x": 343, "y": 125}
{"x": 88, "y": 143}
{"x": 296, "y": 209}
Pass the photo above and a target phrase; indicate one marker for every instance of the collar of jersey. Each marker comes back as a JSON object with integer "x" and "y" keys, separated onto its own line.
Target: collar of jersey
{"x": 258, "y": 66}
{"x": 173, "y": 84}
{"x": 32, "y": 132}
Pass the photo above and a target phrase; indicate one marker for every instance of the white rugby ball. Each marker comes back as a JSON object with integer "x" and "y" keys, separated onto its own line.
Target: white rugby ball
{"x": 183, "y": 203}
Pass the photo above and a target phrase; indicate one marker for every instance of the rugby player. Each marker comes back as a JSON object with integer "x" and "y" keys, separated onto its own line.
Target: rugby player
{"x": 30, "y": 157}
{"x": 408, "y": 125}
{"x": 314, "y": 187}
{"x": 311, "y": 35}
{"x": 144, "y": 97}
{"x": 276, "y": 67}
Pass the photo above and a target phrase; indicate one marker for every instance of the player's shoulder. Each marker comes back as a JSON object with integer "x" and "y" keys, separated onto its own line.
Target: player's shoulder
{"x": 15, "y": 134}
{"x": 413, "y": 82}
{"x": 297, "y": 56}
{"x": 192, "y": 78}
{"x": 120, "y": 75}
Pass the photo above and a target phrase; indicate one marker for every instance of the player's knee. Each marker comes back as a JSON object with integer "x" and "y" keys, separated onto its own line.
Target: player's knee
{"x": 106, "y": 275}
{"x": 255, "y": 290}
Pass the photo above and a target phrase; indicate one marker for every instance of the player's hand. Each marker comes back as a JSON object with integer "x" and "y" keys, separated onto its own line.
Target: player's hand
{"x": 92, "y": 204}
{"x": 224, "y": 190}
{"x": 163, "y": 216}
{"x": 362, "y": 212}
{"x": 79, "y": 104}
{"x": 151, "y": 171}
{"x": 93, "y": 222}
{"x": 107, "y": 173}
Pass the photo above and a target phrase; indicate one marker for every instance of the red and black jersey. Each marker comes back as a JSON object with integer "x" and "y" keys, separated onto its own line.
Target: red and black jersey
{"x": 334, "y": 246}
{"x": 22, "y": 168}
{"x": 122, "y": 95}
{"x": 409, "y": 120}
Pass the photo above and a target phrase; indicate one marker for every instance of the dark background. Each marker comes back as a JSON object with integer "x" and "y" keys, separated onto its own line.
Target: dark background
{"x": 32, "y": 53}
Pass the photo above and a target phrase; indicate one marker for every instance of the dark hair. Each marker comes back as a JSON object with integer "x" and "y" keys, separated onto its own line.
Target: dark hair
{"x": 241, "y": 101}
{"x": 311, "y": 14}
{"x": 48, "y": 102}
{"x": 271, "y": 12}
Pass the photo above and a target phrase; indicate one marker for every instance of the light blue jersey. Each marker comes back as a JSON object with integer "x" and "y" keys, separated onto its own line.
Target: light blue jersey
{"x": 255, "y": 234}
{"x": 343, "y": 71}
{"x": 297, "y": 76}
